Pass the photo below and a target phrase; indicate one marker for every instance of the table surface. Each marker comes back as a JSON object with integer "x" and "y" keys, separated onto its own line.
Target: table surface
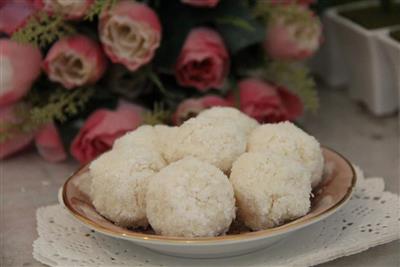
{"x": 28, "y": 182}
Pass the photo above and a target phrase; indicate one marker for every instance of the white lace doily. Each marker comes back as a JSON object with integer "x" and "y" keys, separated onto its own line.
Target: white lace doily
{"x": 369, "y": 219}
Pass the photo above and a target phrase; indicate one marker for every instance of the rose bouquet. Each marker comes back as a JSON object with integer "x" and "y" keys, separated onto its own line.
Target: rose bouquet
{"x": 76, "y": 75}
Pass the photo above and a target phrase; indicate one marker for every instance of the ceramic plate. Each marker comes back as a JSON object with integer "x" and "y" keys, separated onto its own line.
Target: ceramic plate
{"x": 329, "y": 197}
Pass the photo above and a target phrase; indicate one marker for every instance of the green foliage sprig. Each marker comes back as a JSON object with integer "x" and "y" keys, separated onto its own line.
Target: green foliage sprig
{"x": 263, "y": 9}
{"x": 236, "y": 21}
{"x": 158, "y": 115}
{"x": 42, "y": 29}
{"x": 60, "y": 105}
{"x": 297, "y": 78}
{"x": 98, "y": 7}
{"x": 290, "y": 14}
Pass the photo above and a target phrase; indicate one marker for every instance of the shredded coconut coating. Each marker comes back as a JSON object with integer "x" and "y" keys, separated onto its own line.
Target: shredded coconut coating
{"x": 144, "y": 135}
{"x": 119, "y": 183}
{"x": 217, "y": 142}
{"x": 287, "y": 139}
{"x": 165, "y": 135}
{"x": 190, "y": 198}
{"x": 269, "y": 189}
{"x": 84, "y": 183}
{"x": 244, "y": 122}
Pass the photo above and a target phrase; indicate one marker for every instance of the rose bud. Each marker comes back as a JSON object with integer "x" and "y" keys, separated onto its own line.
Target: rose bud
{"x": 102, "y": 128}
{"x": 267, "y": 102}
{"x": 17, "y": 141}
{"x": 75, "y": 61}
{"x": 201, "y": 3}
{"x": 20, "y": 66}
{"x": 71, "y": 9}
{"x": 49, "y": 145}
{"x": 192, "y": 106}
{"x": 293, "y": 33}
{"x": 204, "y": 61}
{"x": 14, "y": 14}
{"x": 130, "y": 33}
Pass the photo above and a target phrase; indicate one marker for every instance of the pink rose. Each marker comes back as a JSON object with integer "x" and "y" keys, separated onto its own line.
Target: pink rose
{"x": 49, "y": 144}
{"x": 20, "y": 66}
{"x": 204, "y": 61}
{"x": 293, "y": 33}
{"x": 18, "y": 141}
{"x": 191, "y": 107}
{"x": 130, "y": 33}
{"x": 75, "y": 61}
{"x": 71, "y": 9}
{"x": 201, "y": 3}
{"x": 102, "y": 128}
{"x": 266, "y": 102}
{"x": 14, "y": 14}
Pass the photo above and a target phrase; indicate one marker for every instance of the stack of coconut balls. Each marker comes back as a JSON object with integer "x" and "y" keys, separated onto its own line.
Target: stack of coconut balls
{"x": 192, "y": 180}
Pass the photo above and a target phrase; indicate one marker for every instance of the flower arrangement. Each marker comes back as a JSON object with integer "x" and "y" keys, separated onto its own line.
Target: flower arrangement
{"x": 76, "y": 75}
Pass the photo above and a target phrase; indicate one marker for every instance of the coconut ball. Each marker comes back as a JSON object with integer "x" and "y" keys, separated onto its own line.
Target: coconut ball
{"x": 83, "y": 182}
{"x": 244, "y": 122}
{"x": 216, "y": 142}
{"x": 119, "y": 184}
{"x": 287, "y": 139}
{"x": 144, "y": 135}
{"x": 190, "y": 198}
{"x": 165, "y": 134}
{"x": 269, "y": 189}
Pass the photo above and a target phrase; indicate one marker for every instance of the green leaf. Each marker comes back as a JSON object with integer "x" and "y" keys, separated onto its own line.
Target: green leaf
{"x": 238, "y": 38}
{"x": 98, "y": 7}
{"x": 60, "y": 105}
{"x": 42, "y": 29}
{"x": 237, "y": 22}
{"x": 297, "y": 79}
{"x": 159, "y": 115}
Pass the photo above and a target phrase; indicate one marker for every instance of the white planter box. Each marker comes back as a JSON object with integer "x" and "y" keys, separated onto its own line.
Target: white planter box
{"x": 328, "y": 62}
{"x": 391, "y": 49}
{"x": 358, "y": 52}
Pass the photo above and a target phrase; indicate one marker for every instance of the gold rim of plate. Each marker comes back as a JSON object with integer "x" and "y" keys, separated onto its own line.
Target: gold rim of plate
{"x": 295, "y": 224}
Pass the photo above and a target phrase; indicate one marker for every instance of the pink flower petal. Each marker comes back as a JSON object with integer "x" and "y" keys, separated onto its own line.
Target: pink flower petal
{"x": 204, "y": 61}
{"x": 49, "y": 144}
{"x": 17, "y": 75}
{"x": 266, "y": 102}
{"x": 102, "y": 128}
{"x": 14, "y": 14}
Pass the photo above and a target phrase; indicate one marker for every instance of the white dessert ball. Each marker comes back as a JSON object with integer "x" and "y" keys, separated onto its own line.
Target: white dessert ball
{"x": 165, "y": 135}
{"x": 216, "y": 142}
{"x": 287, "y": 139}
{"x": 190, "y": 198}
{"x": 83, "y": 182}
{"x": 269, "y": 189}
{"x": 144, "y": 135}
{"x": 129, "y": 159}
{"x": 244, "y": 122}
{"x": 119, "y": 184}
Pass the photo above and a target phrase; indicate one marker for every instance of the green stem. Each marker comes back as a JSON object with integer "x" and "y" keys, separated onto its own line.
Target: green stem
{"x": 156, "y": 80}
